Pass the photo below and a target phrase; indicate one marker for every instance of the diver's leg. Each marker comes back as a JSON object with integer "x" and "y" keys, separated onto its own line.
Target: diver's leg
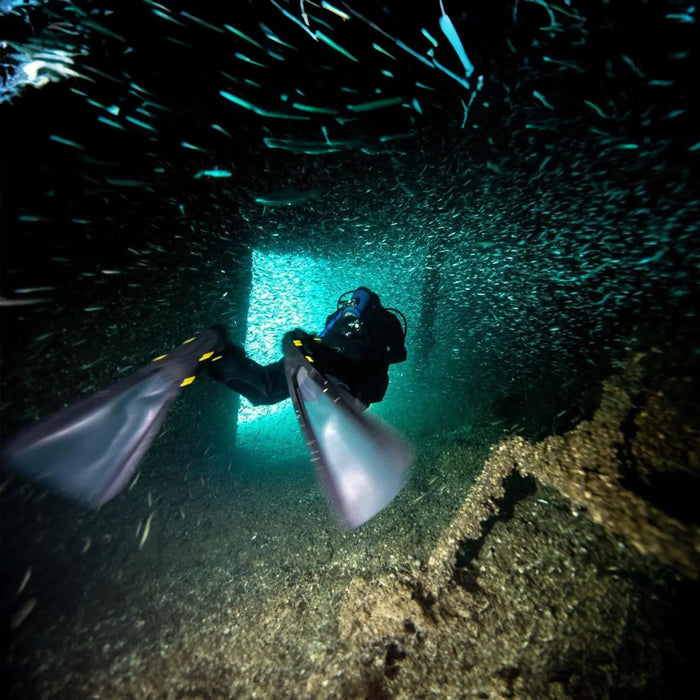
{"x": 276, "y": 388}
{"x": 260, "y": 384}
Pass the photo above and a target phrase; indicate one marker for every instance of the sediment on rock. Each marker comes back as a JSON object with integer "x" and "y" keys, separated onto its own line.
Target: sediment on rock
{"x": 575, "y": 590}
{"x": 586, "y": 465}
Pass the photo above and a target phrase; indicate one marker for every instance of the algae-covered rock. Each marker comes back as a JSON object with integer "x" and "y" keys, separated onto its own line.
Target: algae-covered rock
{"x": 571, "y": 585}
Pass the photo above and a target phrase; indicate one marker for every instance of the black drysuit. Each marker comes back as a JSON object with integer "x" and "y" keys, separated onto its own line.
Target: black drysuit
{"x": 355, "y": 352}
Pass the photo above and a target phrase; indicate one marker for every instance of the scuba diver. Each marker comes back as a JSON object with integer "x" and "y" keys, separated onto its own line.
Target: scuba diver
{"x": 89, "y": 451}
{"x": 354, "y": 350}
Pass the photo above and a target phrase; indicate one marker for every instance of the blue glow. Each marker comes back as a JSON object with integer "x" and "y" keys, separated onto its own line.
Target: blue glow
{"x": 55, "y": 65}
{"x": 429, "y": 37}
{"x": 450, "y": 32}
{"x": 285, "y": 294}
{"x": 299, "y": 291}
{"x": 10, "y": 5}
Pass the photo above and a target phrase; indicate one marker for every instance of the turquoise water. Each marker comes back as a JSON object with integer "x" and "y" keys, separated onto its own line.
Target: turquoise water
{"x": 536, "y": 221}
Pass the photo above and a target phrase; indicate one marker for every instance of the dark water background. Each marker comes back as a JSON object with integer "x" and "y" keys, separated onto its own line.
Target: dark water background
{"x": 530, "y": 249}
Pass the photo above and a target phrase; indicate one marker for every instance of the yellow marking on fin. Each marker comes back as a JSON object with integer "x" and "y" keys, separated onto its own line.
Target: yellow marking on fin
{"x": 309, "y": 358}
{"x": 218, "y": 357}
{"x": 318, "y": 340}
{"x": 298, "y": 343}
{"x": 187, "y": 381}
{"x": 206, "y": 356}
{"x": 160, "y": 357}
{"x": 189, "y": 340}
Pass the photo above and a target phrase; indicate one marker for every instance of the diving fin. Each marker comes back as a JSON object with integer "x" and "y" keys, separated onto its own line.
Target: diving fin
{"x": 362, "y": 463}
{"x": 89, "y": 451}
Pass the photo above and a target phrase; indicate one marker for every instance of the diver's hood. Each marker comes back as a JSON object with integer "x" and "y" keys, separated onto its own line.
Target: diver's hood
{"x": 363, "y": 299}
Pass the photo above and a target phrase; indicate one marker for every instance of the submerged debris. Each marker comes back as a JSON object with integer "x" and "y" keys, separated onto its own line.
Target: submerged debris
{"x": 586, "y": 466}
{"x": 530, "y": 606}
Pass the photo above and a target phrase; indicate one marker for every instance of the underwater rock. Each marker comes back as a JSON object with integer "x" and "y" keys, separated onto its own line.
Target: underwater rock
{"x": 555, "y": 601}
{"x": 586, "y": 466}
